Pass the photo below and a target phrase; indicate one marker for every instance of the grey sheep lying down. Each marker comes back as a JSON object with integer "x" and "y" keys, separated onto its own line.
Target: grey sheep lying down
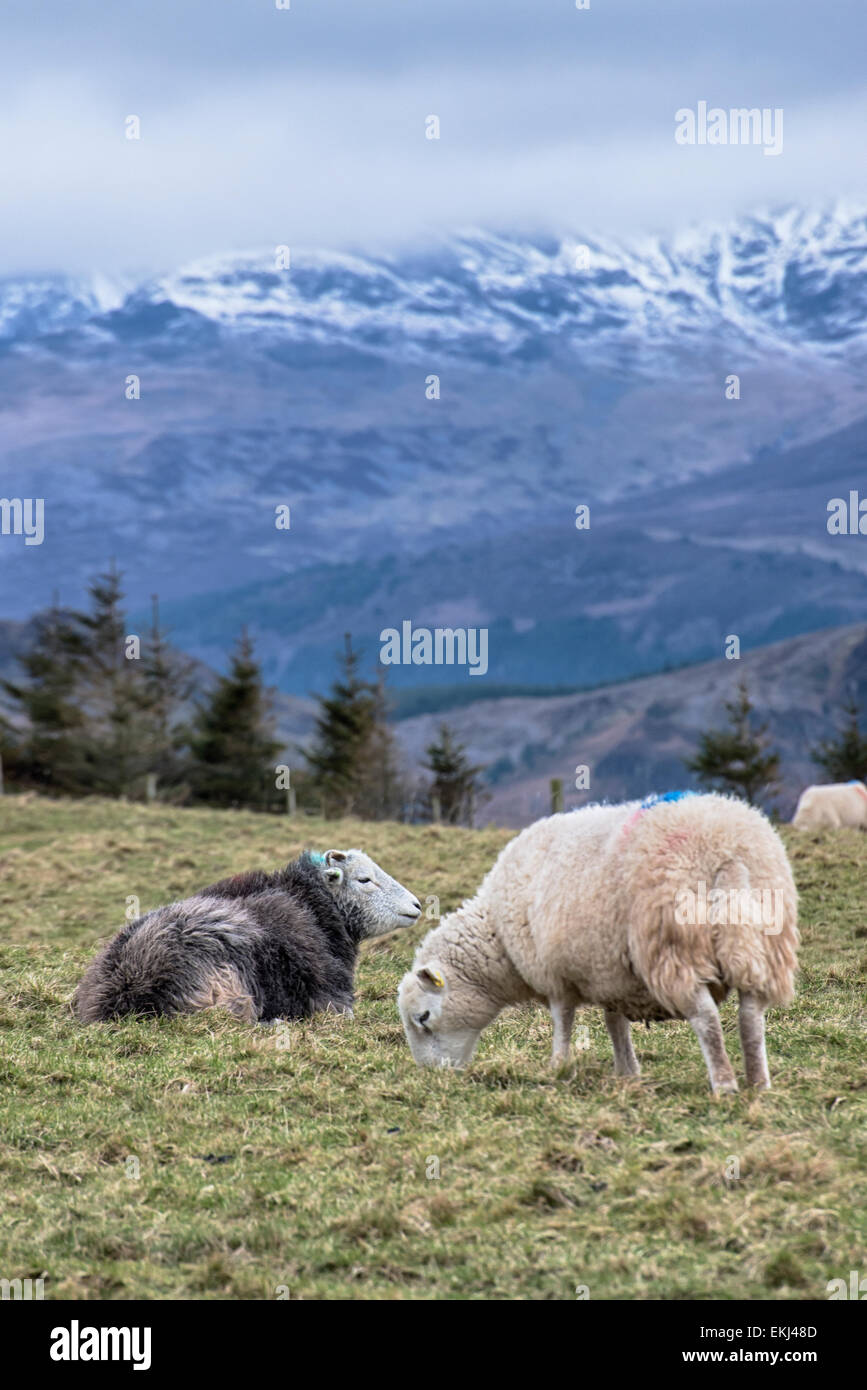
{"x": 264, "y": 946}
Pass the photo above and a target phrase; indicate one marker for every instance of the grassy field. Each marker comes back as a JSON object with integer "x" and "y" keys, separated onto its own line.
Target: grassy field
{"x": 200, "y": 1158}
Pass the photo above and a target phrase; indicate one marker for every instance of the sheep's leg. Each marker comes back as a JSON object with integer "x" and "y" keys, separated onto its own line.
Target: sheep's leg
{"x": 625, "y": 1060}
{"x": 751, "y": 1022}
{"x": 704, "y": 1018}
{"x": 563, "y": 1016}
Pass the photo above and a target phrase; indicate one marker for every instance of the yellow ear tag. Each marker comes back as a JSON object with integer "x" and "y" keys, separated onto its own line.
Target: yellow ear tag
{"x": 437, "y": 979}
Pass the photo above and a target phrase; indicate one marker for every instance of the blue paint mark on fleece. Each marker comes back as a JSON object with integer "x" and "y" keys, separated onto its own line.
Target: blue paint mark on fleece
{"x": 316, "y": 856}
{"x": 655, "y": 798}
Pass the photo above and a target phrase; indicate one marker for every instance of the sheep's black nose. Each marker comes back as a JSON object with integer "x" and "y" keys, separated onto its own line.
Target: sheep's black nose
{"x": 416, "y": 904}
{"x": 423, "y": 1018}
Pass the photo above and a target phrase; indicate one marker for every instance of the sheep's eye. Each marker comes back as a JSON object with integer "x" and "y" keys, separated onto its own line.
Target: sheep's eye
{"x": 364, "y": 880}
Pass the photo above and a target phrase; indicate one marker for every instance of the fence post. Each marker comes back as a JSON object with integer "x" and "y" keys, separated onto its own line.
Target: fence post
{"x": 556, "y": 795}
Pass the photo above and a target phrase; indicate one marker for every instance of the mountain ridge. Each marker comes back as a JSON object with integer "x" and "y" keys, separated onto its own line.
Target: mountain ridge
{"x": 606, "y": 387}
{"x": 779, "y": 280}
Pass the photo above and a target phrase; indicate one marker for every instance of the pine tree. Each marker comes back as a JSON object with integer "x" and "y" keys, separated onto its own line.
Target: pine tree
{"x": 167, "y": 682}
{"x": 13, "y": 764}
{"x": 380, "y": 791}
{"x": 455, "y": 788}
{"x": 344, "y": 728}
{"x": 845, "y": 758}
{"x": 49, "y": 752}
{"x": 353, "y": 763}
{"x": 107, "y": 692}
{"x": 737, "y": 759}
{"x": 232, "y": 745}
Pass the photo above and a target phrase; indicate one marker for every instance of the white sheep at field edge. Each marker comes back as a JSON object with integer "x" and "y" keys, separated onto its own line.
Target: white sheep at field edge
{"x": 832, "y": 804}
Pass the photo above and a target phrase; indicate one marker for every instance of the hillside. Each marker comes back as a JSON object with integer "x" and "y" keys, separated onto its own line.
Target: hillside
{"x": 635, "y": 735}
{"x": 197, "y": 1158}
{"x": 559, "y": 384}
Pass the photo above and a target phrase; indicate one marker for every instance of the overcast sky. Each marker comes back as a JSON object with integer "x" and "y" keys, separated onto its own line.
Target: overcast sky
{"x": 307, "y": 126}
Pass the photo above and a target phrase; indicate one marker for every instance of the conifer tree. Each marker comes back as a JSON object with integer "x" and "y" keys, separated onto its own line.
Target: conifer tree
{"x": 455, "y": 788}
{"x": 737, "y": 759}
{"x": 108, "y": 692}
{"x": 167, "y": 682}
{"x": 344, "y": 728}
{"x": 232, "y": 745}
{"x": 49, "y": 752}
{"x": 353, "y": 763}
{"x": 380, "y": 792}
{"x": 845, "y": 757}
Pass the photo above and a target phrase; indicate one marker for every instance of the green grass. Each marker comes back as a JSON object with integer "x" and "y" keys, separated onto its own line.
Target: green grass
{"x": 300, "y": 1158}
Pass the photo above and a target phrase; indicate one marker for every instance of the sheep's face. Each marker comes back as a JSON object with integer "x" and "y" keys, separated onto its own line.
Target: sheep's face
{"x": 361, "y": 885}
{"x": 442, "y": 1021}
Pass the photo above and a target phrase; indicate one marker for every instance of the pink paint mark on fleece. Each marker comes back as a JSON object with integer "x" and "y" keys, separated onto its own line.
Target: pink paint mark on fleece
{"x": 630, "y": 823}
{"x": 675, "y": 839}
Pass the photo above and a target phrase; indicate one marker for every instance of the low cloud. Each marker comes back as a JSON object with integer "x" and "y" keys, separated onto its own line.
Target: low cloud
{"x": 317, "y": 137}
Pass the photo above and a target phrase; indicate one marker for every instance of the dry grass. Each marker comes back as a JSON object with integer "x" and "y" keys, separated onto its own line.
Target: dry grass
{"x": 310, "y": 1166}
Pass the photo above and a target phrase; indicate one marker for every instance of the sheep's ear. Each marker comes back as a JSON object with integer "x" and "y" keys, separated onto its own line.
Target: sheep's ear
{"x": 333, "y": 858}
{"x": 430, "y": 978}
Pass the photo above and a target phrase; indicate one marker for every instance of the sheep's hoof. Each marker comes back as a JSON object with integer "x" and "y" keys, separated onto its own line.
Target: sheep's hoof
{"x": 726, "y": 1088}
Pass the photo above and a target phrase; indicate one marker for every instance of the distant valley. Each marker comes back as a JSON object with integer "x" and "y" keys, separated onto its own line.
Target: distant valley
{"x": 597, "y": 378}
{"x": 432, "y": 421}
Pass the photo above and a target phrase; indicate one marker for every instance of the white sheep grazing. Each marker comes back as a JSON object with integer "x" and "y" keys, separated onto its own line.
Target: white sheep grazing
{"x": 834, "y": 804}
{"x": 651, "y": 911}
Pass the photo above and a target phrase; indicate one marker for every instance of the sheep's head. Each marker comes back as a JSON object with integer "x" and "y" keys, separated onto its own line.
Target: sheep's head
{"x": 378, "y": 901}
{"x": 442, "y": 1015}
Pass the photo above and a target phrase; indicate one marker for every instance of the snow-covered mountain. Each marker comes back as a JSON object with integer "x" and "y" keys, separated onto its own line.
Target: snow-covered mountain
{"x": 575, "y": 370}
{"x": 785, "y": 282}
